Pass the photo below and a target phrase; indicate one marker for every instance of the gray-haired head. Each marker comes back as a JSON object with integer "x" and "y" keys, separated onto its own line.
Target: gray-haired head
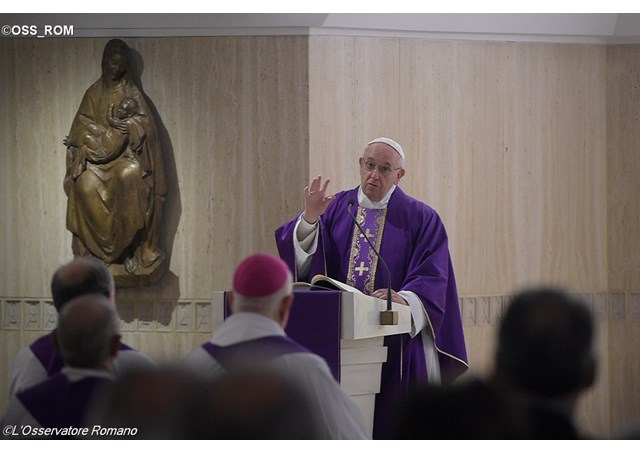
{"x": 82, "y": 275}
{"x": 88, "y": 331}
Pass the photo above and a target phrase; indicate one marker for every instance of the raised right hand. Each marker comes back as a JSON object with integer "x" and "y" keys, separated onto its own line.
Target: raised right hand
{"x": 316, "y": 201}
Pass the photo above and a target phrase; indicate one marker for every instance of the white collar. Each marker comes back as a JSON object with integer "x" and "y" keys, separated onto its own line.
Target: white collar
{"x": 365, "y": 202}
{"x": 245, "y": 325}
{"x": 76, "y": 374}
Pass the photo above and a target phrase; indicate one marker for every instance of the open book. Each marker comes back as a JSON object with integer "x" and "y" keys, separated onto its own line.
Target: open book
{"x": 323, "y": 282}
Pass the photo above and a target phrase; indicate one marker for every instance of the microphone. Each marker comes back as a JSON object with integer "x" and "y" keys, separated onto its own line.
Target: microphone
{"x": 388, "y": 317}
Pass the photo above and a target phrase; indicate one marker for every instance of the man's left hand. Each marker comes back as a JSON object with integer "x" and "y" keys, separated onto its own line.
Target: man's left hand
{"x": 395, "y": 297}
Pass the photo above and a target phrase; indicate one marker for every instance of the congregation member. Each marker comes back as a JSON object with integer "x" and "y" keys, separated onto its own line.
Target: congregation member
{"x": 82, "y": 275}
{"x": 544, "y": 362}
{"x": 171, "y": 402}
{"x": 253, "y": 337}
{"x": 412, "y": 240}
{"x": 469, "y": 410}
{"x": 159, "y": 403}
{"x": 87, "y": 336}
{"x": 546, "y": 359}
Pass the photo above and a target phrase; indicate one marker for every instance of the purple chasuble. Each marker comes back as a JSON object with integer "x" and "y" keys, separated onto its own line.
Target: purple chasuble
{"x": 60, "y": 403}
{"x": 44, "y": 349}
{"x": 414, "y": 244}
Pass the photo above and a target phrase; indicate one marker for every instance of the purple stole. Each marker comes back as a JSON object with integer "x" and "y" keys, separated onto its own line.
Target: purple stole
{"x": 44, "y": 349}
{"x": 363, "y": 261}
{"x": 58, "y": 402}
{"x": 253, "y": 352}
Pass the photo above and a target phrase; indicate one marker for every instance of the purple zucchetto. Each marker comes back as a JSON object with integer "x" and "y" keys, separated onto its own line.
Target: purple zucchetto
{"x": 260, "y": 275}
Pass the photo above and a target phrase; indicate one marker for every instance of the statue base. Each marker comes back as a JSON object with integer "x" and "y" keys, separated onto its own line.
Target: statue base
{"x": 142, "y": 276}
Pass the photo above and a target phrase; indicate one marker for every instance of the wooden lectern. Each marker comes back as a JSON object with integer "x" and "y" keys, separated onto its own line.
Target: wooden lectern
{"x": 343, "y": 328}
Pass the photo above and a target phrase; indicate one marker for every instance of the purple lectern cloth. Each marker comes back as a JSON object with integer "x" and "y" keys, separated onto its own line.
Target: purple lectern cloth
{"x": 415, "y": 247}
{"x": 314, "y": 322}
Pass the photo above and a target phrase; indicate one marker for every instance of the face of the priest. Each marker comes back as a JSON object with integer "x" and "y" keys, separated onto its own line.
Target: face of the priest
{"x": 374, "y": 184}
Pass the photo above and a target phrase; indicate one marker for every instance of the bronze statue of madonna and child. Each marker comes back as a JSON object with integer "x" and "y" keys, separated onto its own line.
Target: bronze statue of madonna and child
{"x": 115, "y": 181}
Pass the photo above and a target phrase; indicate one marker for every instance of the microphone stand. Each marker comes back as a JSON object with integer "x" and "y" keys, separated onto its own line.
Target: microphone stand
{"x": 387, "y": 317}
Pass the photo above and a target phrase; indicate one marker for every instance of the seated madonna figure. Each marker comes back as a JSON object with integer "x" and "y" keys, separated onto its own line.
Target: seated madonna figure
{"x": 115, "y": 179}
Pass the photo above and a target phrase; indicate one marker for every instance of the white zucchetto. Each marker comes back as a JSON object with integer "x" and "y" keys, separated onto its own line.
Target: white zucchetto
{"x": 392, "y": 143}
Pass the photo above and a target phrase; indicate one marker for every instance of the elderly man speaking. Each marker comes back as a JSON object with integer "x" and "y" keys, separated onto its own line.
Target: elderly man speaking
{"x": 412, "y": 240}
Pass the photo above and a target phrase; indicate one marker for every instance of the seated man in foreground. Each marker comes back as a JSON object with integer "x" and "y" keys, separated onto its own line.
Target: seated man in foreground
{"x": 254, "y": 337}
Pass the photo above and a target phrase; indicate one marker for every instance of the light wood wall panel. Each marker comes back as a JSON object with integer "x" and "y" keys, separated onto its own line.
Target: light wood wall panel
{"x": 377, "y": 89}
{"x": 354, "y": 88}
{"x": 623, "y": 217}
{"x": 513, "y": 160}
{"x": 333, "y": 148}
{"x": 623, "y": 153}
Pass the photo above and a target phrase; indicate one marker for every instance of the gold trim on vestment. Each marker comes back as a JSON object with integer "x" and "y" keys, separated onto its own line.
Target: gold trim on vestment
{"x": 372, "y": 257}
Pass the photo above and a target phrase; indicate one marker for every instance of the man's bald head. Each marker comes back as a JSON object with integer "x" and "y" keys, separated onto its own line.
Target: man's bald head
{"x": 83, "y": 275}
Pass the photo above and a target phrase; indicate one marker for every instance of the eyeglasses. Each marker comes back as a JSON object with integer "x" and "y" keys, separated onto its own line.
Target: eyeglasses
{"x": 383, "y": 170}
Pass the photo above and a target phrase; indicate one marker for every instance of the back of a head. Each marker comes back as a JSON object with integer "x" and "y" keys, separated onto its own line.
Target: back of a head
{"x": 173, "y": 403}
{"x": 545, "y": 344}
{"x": 160, "y": 403}
{"x": 259, "y": 404}
{"x": 87, "y": 329}
{"x": 462, "y": 410}
{"x": 260, "y": 282}
{"x": 83, "y": 275}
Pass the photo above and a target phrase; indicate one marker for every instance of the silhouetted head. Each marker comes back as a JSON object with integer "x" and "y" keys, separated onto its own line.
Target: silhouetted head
{"x": 464, "y": 410}
{"x": 160, "y": 403}
{"x": 545, "y": 344}
{"x": 259, "y": 404}
{"x": 83, "y": 275}
{"x": 87, "y": 334}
